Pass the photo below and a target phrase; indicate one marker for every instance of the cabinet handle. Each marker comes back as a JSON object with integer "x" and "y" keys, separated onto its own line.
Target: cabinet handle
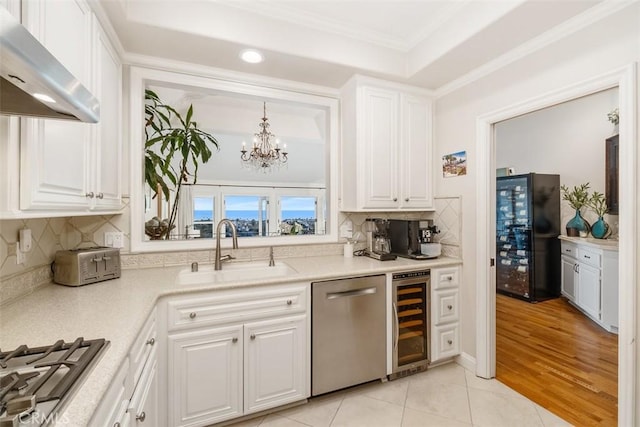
{"x": 406, "y": 200}
{"x": 449, "y": 342}
{"x": 141, "y": 417}
{"x": 100, "y": 196}
{"x": 289, "y": 302}
{"x": 192, "y": 315}
{"x": 234, "y": 339}
{"x": 151, "y": 341}
{"x": 90, "y": 195}
{"x": 587, "y": 256}
{"x": 252, "y": 336}
{"x": 449, "y": 306}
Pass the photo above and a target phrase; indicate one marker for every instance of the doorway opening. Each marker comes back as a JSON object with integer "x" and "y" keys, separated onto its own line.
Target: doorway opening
{"x": 625, "y": 80}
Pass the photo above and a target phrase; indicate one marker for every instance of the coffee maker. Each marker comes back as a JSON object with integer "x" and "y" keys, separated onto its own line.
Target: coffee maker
{"x": 378, "y": 240}
{"x": 407, "y": 237}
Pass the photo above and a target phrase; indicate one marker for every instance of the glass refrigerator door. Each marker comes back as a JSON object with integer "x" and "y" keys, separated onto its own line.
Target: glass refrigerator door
{"x": 513, "y": 233}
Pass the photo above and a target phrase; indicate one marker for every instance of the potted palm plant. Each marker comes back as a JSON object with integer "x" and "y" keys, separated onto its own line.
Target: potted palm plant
{"x": 174, "y": 149}
{"x": 577, "y": 198}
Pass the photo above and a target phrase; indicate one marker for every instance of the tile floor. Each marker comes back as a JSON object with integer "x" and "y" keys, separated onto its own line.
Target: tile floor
{"x": 447, "y": 395}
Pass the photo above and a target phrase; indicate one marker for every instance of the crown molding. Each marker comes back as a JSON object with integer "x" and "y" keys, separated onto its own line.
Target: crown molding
{"x": 164, "y": 64}
{"x": 589, "y": 17}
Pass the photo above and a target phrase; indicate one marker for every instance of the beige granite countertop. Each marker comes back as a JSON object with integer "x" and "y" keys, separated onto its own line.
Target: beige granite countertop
{"x": 605, "y": 244}
{"x": 116, "y": 310}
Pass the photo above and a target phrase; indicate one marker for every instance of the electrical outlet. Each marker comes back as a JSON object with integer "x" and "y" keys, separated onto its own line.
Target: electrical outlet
{"x": 346, "y": 229}
{"x": 114, "y": 239}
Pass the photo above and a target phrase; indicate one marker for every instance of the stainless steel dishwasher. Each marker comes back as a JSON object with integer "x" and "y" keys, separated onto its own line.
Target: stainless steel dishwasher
{"x": 348, "y": 329}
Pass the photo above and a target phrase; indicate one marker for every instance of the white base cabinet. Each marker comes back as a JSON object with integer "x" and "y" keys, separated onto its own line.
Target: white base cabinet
{"x": 133, "y": 396}
{"x": 445, "y": 313}
{"x": 236, "y": 352}
{"x": 204, "y": 376}
{"x": 387, "y": 147}
{"x": 590, "y": 282}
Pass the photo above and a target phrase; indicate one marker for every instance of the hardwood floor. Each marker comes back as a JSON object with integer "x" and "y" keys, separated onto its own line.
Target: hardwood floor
{"x": 557, "y": 357}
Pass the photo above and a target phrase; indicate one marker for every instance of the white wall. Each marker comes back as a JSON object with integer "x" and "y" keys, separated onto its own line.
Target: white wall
{"x": 567, "y": 139}
{"x": 608, "y": 44}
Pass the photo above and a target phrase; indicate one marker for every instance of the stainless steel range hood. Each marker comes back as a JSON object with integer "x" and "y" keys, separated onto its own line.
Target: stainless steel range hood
{"x": 27, "y": 68}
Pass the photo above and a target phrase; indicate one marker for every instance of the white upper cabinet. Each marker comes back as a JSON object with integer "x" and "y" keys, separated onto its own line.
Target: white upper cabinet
{"x": 387, "y": 156}
{"x": 68, "y": 167}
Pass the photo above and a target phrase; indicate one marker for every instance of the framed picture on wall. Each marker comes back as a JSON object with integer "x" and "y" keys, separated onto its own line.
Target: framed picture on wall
{"x": 454, "y": 164}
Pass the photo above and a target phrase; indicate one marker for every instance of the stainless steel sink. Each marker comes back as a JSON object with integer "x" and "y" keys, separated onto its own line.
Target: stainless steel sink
{"x": 234, "y": 272}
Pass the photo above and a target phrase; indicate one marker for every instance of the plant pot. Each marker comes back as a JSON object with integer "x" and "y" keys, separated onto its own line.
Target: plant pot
{"x": 578, "y": 226}
{"x": 600, "y": 229}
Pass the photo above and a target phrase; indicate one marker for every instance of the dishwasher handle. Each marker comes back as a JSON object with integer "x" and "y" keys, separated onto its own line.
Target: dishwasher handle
{"x": 354, "y": 293}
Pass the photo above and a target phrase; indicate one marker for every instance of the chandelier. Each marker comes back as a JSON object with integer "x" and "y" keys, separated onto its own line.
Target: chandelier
{"x": 266, "y": 152}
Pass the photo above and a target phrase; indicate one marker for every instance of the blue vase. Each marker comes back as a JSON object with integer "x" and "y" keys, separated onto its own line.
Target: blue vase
{"x": 600, "y": 229}
{"x": 578, "y": 226}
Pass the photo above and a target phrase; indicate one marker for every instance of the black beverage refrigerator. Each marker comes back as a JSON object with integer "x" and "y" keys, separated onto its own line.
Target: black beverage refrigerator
{"x": 527, "y": 229}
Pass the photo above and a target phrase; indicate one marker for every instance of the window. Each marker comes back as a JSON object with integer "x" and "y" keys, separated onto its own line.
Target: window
{"x": 298, "y": 215}
{"x": 249, "y": 214}
{"x": 203, "y": 216}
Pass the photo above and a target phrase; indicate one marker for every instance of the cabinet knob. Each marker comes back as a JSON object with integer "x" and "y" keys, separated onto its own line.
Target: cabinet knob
{"x": 252, "y": 336}
{"x": 141, "y": 417}
{"x": 395, "y": 199}
{"x": 192, "y": 315}
{"x": 89, "y": 195}
{"x": 151, "y": 341}
{"x": 100, "y": 195}
{"x": 449, "y": 306}
{"x": 406, "y": 200}
{"x": 117, "y": 424}
{"x": 289, "y": 302}
{"x": 449, "y": 342}
{"x": 234, "y": 339}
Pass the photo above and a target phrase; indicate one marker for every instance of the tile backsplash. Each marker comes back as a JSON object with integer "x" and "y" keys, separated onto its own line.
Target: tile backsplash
{"x": 52, "y": 234}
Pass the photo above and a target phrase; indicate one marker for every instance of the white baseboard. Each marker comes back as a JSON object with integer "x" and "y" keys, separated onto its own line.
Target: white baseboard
{"x": 467, "y": 361}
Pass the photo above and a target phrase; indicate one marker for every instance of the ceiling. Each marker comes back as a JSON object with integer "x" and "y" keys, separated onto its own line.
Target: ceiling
{"x": 429, "y": 43}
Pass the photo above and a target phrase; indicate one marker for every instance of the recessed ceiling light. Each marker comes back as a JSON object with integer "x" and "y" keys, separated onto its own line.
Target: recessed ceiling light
{"x": 43, "y": 97}
{"x": 251, "y": 56}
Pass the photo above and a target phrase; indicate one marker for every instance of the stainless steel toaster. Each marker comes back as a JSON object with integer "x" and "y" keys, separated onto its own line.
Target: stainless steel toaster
{"x": 79, "y": 267}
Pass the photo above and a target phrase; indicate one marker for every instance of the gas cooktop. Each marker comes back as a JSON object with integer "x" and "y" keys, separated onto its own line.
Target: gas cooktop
{"x": 36, "y": 382}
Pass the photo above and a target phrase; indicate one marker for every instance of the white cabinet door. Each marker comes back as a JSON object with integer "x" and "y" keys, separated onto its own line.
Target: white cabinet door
{"x": 380, "y": 175}
{"x": 144, "y": 411}
{"x": 568, "y": 272}
{"x": 205, "y": 376}
{"x": 107, "y": 187}
{"x": 55, "y": 154}
{"x": 589, "y": 290}
{"x": 275, "y": 368}
{"x": 416, "y": 160}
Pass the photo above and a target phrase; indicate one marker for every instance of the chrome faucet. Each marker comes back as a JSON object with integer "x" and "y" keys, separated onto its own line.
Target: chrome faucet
{"x": 234, "y": 236}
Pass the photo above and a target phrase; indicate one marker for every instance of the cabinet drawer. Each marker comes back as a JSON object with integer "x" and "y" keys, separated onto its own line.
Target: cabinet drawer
{"x": 142, "y": 348}
{"x": 445, "y": 277}
{"x": 589, "y": 257}
{"x": 221, "y": 307}
{"x": 446, "y": 341}
{"x": 446, "y": 306}
{"x": 569, "y": 249}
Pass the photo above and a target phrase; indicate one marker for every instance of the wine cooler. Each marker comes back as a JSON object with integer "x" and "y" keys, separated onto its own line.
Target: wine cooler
{"x": 410, "y": 323}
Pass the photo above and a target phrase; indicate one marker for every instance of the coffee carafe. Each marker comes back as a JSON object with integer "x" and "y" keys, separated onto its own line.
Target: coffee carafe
{"x": 381, "y": 241}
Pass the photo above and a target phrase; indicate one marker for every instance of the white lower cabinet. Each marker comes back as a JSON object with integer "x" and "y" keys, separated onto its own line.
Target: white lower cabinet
{"x": 590, "y": 282}
{"x": 205, "y": 375}
{"x": 132, "y": 398}
{"x": 445, "y": 317}
{"x": 274, "y": 363}
{"x": 236, "y": 352}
